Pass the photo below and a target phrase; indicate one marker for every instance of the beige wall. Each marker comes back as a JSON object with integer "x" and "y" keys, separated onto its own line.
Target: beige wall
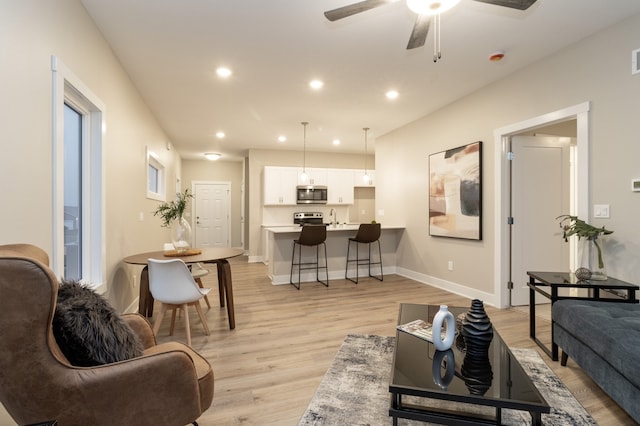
{"x": 219, "y": 171}
{"x": 597, "y": 69}
{"x": 30, "y": 32}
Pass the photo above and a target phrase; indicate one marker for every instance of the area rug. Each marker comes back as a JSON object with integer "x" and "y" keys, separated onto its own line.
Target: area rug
{"x": 355, "y": 389}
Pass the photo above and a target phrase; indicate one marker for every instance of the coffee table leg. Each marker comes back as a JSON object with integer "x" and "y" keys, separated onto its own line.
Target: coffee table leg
{"x": 536, "y": 419}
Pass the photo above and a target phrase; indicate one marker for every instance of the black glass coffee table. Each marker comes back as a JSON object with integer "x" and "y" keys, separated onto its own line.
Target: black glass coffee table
{"x": 453, "y": 387}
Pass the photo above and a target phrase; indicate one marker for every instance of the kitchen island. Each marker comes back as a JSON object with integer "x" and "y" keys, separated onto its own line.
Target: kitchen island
{"x": 279, "y": 248}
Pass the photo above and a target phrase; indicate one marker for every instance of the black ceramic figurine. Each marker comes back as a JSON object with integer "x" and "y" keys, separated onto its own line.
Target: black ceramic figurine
{"x": 477, "y": 331}
{"x": 476, "y": 328}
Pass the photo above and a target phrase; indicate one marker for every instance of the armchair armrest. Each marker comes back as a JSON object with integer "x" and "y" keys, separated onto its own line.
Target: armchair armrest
{"x": 142, "y": 328}
{"x": 142, "y": 389}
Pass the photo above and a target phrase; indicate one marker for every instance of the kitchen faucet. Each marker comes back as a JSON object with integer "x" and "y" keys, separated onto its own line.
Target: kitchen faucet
{"x": 332, "y": 213}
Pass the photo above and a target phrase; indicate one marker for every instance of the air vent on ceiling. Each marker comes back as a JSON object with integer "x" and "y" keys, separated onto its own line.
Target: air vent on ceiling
{"x": 635, "y": 61}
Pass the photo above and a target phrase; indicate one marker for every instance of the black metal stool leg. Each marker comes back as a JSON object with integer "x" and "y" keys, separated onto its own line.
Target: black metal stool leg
{"x": 293, "y": 258}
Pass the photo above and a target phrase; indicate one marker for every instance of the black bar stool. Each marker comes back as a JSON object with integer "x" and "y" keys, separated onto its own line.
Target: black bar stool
{"x": 368, "y": 233}
{"x": 311, "y": 235}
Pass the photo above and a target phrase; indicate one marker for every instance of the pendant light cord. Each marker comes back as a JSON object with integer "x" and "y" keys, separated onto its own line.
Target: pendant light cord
{"x": 366, "y": 129}
{"x": 437, "y": 53}
{"x": 304, "y": 147}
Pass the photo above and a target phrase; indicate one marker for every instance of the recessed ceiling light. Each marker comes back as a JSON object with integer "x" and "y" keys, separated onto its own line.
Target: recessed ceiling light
{"x": 316, "y": 84}
{"x": 220, "y": 135}
{"x": 391, "y": 94}
{"x": 223, "y": 72}
{"x": 282, "y": 138}
{"x": 336, "y": 141}
{"x": 212, "y": 156}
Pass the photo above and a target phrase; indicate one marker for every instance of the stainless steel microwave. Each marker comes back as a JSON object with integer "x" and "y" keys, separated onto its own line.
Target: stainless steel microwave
{"x": 311, "y": 194}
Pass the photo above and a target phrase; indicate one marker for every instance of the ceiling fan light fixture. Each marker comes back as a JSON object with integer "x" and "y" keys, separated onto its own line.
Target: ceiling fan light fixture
{"x": 212, "y": 156}
{"x": 431, "y": 7}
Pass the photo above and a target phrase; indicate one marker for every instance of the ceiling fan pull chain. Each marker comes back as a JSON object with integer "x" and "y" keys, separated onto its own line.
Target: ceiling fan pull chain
{"x": 439, "y": 38}
{"x": 435, "y": 38}
{"x": 437, "y": 54}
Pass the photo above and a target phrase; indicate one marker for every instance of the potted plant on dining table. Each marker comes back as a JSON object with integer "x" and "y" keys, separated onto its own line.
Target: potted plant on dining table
{"x": 172, "y": 215}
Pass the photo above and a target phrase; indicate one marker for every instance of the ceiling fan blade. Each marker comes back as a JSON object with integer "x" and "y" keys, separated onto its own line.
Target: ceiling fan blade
{"x": 352, "y": 9}
{"x": 419, "y": 32}
{"x": 513, "y": 4}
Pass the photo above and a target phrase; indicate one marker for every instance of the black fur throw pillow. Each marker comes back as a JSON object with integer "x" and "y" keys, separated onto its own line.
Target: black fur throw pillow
{"x": 88, "y": 330}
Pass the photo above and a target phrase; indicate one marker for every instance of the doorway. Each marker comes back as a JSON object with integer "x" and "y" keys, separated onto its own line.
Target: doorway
{"x": 212, "y": 214}
{"x": 503, "y": 136}
{"x": 541, "y": 189}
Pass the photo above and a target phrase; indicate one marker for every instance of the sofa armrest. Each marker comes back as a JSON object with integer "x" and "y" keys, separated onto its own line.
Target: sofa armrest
{"x": 141, "y": 328}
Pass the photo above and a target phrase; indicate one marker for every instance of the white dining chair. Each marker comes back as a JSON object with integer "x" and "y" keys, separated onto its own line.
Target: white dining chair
{"x": 171, "y": 284}
{"x": 197, "y": 272}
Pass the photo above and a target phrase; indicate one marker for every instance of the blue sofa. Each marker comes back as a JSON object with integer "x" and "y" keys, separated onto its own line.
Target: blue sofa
{"x": 603, "y": 338}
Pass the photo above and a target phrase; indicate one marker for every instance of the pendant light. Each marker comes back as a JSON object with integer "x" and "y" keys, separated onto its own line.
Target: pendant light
{"x": 365, "y": 178}
{"x": 304, "y": 176}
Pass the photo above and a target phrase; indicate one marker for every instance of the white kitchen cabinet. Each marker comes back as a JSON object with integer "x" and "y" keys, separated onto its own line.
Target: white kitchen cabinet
{"x": 340, "y": 188}
{"x": 315, "y": 176}
{"x": 279, "y": 185}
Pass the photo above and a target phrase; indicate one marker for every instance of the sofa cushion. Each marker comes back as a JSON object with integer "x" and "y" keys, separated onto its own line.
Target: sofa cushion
{"x": 611, "y": 329}
{"x": 88, "y": 330}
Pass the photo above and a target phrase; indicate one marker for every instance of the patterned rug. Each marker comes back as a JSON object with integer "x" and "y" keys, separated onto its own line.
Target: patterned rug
{"x": 355, "y": 390}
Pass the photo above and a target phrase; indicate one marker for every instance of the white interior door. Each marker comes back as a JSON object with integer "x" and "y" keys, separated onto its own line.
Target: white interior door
{"x": 212, "y": 214}
{"x": 540, "y": 192}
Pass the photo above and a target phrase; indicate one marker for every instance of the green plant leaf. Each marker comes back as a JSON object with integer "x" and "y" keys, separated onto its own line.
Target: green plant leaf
{"x": 173, "y": 210}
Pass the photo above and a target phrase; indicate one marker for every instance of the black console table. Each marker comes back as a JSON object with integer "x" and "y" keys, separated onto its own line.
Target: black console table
{"x": 543, "y": 282}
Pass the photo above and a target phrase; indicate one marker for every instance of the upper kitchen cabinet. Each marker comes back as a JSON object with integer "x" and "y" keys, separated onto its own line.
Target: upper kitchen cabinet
{"x": 315, "y": 176}
{"x": 279, "y": 185}
{"x": 340, "y": 186}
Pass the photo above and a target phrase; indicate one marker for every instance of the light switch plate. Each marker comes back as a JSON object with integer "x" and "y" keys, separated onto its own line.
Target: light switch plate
{"x": 601, "y": 210}
{"x": 635, "y": 185}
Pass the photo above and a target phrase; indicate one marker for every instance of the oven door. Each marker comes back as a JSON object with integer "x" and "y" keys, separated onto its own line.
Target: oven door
{"x": 308, "y": 194}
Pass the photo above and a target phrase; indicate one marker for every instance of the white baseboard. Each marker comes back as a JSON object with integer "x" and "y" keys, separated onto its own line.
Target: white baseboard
{"x": 461, "y": 290}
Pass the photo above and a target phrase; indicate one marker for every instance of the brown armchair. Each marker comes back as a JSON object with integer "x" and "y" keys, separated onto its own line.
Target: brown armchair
{"x": 170, "y": 384}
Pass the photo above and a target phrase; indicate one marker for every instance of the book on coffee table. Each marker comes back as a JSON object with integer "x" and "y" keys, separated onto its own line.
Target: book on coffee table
{"x": 418, "y": 328}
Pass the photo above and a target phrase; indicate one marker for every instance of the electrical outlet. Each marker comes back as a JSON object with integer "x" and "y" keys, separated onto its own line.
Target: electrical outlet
{"x": 450, "y": 265}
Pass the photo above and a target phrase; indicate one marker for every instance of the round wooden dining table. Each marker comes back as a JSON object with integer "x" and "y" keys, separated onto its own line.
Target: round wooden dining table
{"x": 217, "y": 255}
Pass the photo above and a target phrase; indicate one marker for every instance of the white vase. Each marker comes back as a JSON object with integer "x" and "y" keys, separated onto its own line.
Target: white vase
{"x": 443, "y": 316}
{"x": 181, "y": 235}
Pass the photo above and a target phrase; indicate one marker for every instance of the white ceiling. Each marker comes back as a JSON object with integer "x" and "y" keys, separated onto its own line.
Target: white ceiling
{"x": 171, "y": 48}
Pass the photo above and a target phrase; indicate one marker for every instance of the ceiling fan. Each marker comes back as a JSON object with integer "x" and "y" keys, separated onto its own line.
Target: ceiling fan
{"x": 425, "y": 10}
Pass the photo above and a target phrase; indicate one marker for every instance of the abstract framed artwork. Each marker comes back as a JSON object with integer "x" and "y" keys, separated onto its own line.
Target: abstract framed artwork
{"x": 455, "y": 192}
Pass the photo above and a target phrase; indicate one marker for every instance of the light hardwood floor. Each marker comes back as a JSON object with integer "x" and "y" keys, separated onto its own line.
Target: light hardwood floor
{"x": 268, "y": 368}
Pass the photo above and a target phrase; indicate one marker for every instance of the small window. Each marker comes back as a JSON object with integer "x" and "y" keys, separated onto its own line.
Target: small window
{"x": 155, "y": 177}
{"x": 77, "y": 175}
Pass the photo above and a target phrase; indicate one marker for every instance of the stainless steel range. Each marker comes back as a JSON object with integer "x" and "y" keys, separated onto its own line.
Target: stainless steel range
{"x": 301, "y": 218}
